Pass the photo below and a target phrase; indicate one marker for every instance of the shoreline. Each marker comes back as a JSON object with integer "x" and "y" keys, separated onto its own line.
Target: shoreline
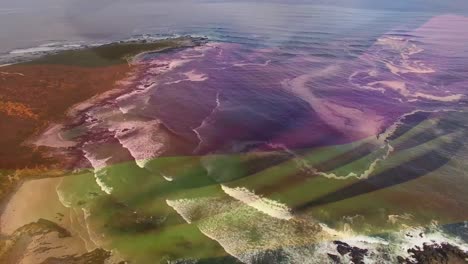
{"x": 82, "y": 115}
{"x": 53, "y": 231}
{"x": 112, "y": 90}
{"x": 15, "y": 208}
{"x": 18, "y": 177}
{"x": 71, "y": 115}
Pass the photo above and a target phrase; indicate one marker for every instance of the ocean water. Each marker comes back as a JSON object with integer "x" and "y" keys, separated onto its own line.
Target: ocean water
{"x": 294, "y": 126}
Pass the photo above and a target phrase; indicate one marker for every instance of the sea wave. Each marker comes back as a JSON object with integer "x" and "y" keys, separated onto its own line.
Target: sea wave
{"x": 99, "y": 165}
{"x": 269, "y": 238}
{"x": 227, "y": 95}
{"x": 267, "y": 206}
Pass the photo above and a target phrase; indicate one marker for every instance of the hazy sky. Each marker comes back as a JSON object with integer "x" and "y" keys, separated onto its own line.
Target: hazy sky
{"x": 452, "y": 5}
{"x": 27, "y": 23}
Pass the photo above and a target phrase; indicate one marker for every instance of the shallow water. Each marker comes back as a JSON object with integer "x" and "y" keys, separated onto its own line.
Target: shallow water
{"x": 294, "y": 126}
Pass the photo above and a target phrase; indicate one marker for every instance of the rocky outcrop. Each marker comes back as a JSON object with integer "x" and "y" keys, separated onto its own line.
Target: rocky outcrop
{"x": 356, "y": 254}
{"x": 435, "y": 254}
{"x": 44, "y": 239}
{"x": 97, "y": 256}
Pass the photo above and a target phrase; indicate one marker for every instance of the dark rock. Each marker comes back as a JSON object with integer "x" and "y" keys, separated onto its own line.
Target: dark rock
{"x": 343, "y": 250}
{"x": 98, "y": 256}
{"x": 435, "y": 254}
{"x": 40, "y": 227}
{"x": 334, "y": 258}
{"x": 357, "y": 254}
{"x": 13, "y": 247}
{"x": 401, "y": 260}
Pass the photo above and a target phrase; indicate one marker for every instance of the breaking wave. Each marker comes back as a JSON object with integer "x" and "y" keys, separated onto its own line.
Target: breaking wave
{"x": 341, "y": 122}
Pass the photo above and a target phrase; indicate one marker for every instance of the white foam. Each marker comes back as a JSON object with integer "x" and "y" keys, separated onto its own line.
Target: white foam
{"x": 409, "y": 67}
{"x": 167, "y": 178}
{"x": 99, "y": 165}
{"x": 141, "y": 138}
{"x": 11, "y": 73}
{"x": 357, "y": 122}
{"x": 382, "y": 139}
{"x": 94, "y": 237}
{"x": 418, "y": 237}
{"x": 385, "y": 145}
{"x": 406, "y": 49}
{"x": 104, "y": 187}
{"x": 397, "y": 243}
{"x": 200, "y": 139}
{"x": 392, "y": 129}
{"x": 190, "y": 76}
{"x": 397, "y": 86}
{"x": 33, "y": 50}
{"x": 361, "y": 123}
{"x": 405, "y": 46}
{"x": 264, "y": 205}
{"x": 193, "y": 76}
{"x": 205, "y": 122}
{"x": 388, "y": 149}
{"x": 53, "y": 137}
{"x": 297, "y": 159}
{"x": 266, "y": 63}
{"x": 395, "y": 219}
{"x": 246, "y": 233}
{"x": 448, "y": 98}
{"x": 401, "y": 88}
{"x": 48, "y": 47}
{"x": 218, "y": 102}
{"x": 62, "y": 199}
{"x": 182, "y": 207}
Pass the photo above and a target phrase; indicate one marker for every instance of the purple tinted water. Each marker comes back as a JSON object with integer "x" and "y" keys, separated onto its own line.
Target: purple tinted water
{"x": 224, "y": 94}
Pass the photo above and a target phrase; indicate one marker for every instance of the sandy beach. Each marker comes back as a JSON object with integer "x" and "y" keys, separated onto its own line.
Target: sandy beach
{"x": 34, "y": 224}
{"x": 28, "y": 206}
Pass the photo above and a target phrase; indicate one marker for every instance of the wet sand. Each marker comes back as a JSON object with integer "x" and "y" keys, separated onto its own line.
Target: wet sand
{"x": 38, "y": 96}
{"x": 28, "y": 206}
